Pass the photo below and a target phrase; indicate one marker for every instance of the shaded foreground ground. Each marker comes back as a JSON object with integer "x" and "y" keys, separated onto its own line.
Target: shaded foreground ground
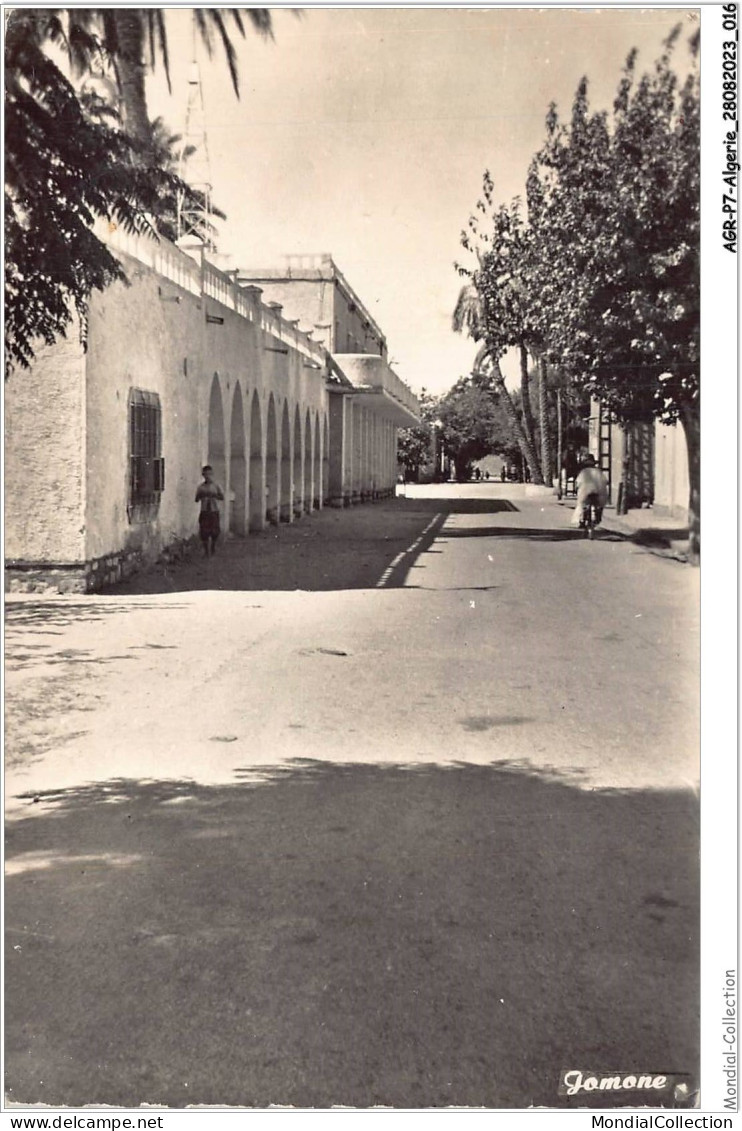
{"x": 368, "y": 843}
{"x": 349, "y": 934}
{"x": 357, "y": 548}
{"x": 368, "y": 546}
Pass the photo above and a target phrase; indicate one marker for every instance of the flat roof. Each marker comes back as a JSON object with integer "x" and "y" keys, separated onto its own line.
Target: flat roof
{"x": 308, "y": 268}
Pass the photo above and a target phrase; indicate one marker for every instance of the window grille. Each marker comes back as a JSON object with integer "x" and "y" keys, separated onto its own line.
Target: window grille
{"x": 146, "y": 465}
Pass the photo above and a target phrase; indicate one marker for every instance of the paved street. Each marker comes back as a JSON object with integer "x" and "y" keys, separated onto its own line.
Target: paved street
{"x": 393, "y": 806}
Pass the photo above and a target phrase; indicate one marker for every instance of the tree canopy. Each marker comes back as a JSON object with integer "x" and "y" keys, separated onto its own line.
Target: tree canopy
{"x": 614, "y": 214}
{"x": 602, "y": 281}
{"x": 73, "y": 155}
{"x": 473, "y": 425}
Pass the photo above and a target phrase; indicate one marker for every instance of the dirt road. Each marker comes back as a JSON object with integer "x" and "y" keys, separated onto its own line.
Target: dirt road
{"x": 395, "y": 806}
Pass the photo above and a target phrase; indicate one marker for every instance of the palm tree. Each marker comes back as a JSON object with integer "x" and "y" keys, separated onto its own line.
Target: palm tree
{"x": 469, "y": 314}
{"x": 132, "y": 40}
{"x": 65, "y": 163}
{"x": 68, "y": 160}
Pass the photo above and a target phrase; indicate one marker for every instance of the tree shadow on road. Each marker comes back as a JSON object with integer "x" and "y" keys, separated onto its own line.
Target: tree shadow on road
{"x": 410, "y": 935}
{"x": 534, "y": 534}
{"x": 52, "y": 617}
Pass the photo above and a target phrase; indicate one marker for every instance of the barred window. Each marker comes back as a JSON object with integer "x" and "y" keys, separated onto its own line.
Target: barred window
{"x": 146, "y": 465}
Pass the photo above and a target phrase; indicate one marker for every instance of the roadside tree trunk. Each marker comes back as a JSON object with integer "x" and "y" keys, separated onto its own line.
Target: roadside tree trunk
{"x": 537, "y": 472}
{"x": 525, "y": 443}
{"x": 690, "y": 419}
{"x": 560, "y": 438}
{"x": 543, "y": 414}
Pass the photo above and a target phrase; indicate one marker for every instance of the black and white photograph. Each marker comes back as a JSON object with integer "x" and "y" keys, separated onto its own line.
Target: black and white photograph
{"x": 352, "y": 528}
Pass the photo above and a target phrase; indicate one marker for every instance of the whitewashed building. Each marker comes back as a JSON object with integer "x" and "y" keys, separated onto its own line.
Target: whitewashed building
{"x": 184, "y": 366}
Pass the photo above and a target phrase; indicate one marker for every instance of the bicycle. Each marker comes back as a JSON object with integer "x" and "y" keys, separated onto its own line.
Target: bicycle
{"x": 592, "y": 512}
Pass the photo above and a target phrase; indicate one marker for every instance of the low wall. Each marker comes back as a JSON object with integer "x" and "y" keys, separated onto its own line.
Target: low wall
{"x": 90, "y": 576}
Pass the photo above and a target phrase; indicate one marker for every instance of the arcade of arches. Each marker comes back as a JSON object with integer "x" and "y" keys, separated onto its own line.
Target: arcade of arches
{"x": 183, "y": 367}
{"x": 277, "y": 461}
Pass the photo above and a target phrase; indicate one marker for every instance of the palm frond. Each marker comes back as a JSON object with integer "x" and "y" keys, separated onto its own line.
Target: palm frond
{"x": 468, "y": 313}
{"x": 218, "y": 21}
{"x": 157, "y": 36}
{"x": 260, "y": 18}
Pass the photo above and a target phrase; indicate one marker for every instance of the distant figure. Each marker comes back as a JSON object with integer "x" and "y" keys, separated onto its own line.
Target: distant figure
{"x": 503, "y": 473}
{"x": 486, "y": 475}
{"x": 208, "y": 495}
{"x": 590, "y": 481}
{"x": 477, "y": 474}
{"x": 569, "y": 470}
{"x": 570, "y": 463}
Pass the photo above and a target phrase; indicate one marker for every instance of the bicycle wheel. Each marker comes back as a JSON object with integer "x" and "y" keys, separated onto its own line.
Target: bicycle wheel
{"x": 592, "y": 520}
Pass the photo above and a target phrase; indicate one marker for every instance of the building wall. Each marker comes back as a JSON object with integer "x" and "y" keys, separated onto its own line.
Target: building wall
{"x": 141, "y": 338}
{"x": 45, "y": 448}
{"x": 311, "y": 301}
{"x": 322, "y": 302}
{"x": 352, "y": 332}
{"x": 651, "y": 460}
{"x": 238, "y": 387}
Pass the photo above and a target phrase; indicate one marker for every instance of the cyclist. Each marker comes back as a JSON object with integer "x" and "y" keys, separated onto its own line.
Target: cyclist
{"x": 590, "y": 481}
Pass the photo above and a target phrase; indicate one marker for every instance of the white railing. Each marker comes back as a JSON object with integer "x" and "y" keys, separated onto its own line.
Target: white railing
{"x": 218, "y": 286}
{"x": 201, "y": 278}
{"x": 401, "y": 392}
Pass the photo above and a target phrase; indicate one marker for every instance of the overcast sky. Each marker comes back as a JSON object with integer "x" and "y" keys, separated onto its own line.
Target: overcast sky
{"x": 364, "y": 132}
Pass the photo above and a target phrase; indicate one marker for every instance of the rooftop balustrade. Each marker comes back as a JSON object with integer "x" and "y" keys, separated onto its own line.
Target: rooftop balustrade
{"x": 192, "y": 272}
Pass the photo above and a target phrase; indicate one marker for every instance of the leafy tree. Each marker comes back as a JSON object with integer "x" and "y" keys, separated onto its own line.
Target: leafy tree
{"x": 415, "y": 446}
{"x": 474, "y": 425}
{"x": 615, "y": 210}
{"x": 64, "y": 165}
{"x": 414, "y": 451}
{"x": 69, "y": 161}
{"x": 495, "y": 307}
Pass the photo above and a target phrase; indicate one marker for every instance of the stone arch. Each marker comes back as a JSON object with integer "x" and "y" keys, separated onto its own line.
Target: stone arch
{"x": 237, "y": 466}
{"x": 308, "y": 487}
{"x": 374, "y": 440}
{"x": 285, "y": 504}
{"x": 216, "y": 434}
{"x": 356, "y": 452}
{"x": 325, "y": 456}
{"x": 363, "y": 448}
{"x": 272, "y": 466}
{"x": 298, "y": 465}
{"x": 317, "y": 467}
{"x": 257, "y": 497}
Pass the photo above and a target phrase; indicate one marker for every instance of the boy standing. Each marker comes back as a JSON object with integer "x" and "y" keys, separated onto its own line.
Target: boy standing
{"x": 208, "y": 495}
